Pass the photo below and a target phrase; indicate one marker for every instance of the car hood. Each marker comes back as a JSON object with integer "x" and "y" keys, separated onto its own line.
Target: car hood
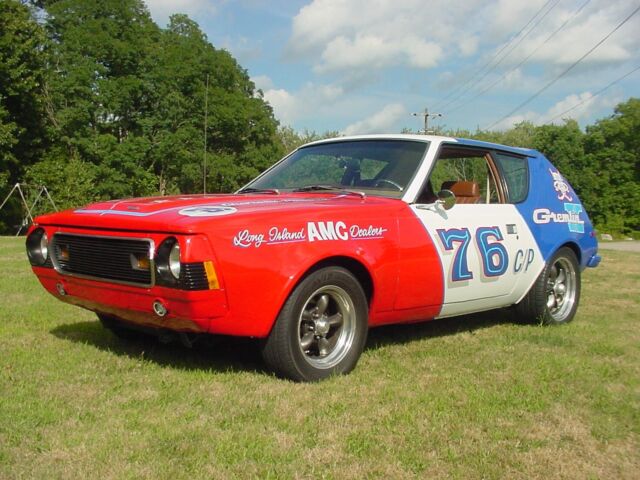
{"x": 193, "y": 213}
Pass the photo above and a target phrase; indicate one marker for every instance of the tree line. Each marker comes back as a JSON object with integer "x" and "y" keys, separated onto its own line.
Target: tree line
{"x": 97, "y": 101}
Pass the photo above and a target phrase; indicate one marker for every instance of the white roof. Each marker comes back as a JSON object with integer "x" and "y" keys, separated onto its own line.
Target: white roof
{"x": 388, "y": 136}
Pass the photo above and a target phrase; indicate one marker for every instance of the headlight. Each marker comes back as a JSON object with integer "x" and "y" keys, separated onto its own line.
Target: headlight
{"x": 174, "y": 260}
{"x": 38, "y": 247}
{"x": 168, "y": 261}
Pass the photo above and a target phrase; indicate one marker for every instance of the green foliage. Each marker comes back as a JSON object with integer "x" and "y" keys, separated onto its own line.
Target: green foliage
{"x": 98, "y": 86}
{"x": 22, "y": 63}
{"x": 23, "y": 132}
{"x": 612, "y": 149}
{"x": 125, "y": 101}
{"x": 69, "y": 183}
{"x": 290, "y": 139}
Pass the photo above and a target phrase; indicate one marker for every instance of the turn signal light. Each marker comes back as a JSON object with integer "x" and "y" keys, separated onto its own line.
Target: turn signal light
{"x": 212, "y": 276}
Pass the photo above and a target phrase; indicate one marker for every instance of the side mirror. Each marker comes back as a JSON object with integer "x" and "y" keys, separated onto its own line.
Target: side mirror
{"x": 446, "y": 198}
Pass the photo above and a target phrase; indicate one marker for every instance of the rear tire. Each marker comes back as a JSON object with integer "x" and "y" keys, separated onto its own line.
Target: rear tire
{"x": 321, "y": 329}
{"x": 554, "y": 297}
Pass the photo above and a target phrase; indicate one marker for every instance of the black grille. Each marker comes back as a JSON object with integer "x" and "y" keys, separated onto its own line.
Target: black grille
{"x": 102, "y": 257}
{"x": 193, "y": 277}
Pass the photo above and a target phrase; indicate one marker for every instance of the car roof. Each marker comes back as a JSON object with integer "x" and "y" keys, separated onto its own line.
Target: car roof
{"x": 432, "y": 139}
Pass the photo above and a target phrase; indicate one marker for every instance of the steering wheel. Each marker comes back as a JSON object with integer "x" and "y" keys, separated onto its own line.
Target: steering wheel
{"x": 390, "y": 182}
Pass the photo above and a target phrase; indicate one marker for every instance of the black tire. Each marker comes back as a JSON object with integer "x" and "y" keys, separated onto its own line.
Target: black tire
{"x": 321, "y": 329}
{"x": 554, "y": 297}
{"x": 118, "y": 328}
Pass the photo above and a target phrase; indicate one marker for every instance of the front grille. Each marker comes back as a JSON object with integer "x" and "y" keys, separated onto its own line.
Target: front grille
{"x": 193, "y": 277}
{"x": 107, "y": 258}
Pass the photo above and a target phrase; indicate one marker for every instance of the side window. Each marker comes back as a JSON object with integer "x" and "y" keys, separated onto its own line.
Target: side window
{"x": 467, "y": 173}
{"x": 516, "y": 175}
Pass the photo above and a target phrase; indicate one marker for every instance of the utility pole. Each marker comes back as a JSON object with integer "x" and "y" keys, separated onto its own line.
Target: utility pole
{"x": 426, "y": 116}
{"x": 204, "y": 158}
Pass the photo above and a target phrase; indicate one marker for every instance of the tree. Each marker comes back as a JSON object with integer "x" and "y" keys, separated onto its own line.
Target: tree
{"x": 129, "y": 98}
{"x": 23, "y": 133}
{"x": 241, "y": 129}
{"x": 290, "y": 139}
{"x": 100, "y": 55}
{"x": 612, "y": 148}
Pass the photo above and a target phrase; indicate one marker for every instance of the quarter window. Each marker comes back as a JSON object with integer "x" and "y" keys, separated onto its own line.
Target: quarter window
{"x": 516, "y": 175}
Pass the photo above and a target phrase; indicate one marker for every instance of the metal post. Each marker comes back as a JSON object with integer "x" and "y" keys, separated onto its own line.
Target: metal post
{"x": 204, "y": 160}
{"x": 49, "y": 197}
{"x": 8, "y": 196}
{"x": 426, "y": 116}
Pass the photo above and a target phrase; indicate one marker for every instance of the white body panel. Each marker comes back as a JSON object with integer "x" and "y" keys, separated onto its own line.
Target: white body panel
{"x": 489, "y": 256}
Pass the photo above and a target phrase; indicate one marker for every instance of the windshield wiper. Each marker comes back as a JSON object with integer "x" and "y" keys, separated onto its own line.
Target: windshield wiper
{"x": 324, "y": 188}
{"x": 275, "y": 191}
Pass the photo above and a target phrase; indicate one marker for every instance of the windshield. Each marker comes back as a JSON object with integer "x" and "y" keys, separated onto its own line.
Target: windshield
{"x": 380, "y": 167}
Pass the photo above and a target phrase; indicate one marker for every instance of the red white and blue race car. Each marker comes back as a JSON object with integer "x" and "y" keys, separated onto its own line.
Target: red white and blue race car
{"x": 341, "y": 235}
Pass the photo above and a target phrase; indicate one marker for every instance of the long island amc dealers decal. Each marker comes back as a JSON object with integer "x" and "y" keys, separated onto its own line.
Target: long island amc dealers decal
{"x": 340, "y": 236}
{"x": 312, "y": 232}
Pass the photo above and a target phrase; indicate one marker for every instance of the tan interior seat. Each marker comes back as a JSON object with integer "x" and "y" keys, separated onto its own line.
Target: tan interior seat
{"x": 465, "y": 192}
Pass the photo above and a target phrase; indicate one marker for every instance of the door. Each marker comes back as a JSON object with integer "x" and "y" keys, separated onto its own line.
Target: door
{"x": 488, "y": 254}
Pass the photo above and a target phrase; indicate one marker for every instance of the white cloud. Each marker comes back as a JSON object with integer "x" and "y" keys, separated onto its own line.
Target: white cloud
{"x": 342, "y": 36}
{"x": 380, "y": 122}
{"x": 588, "y": 105}
{"x": 373, "y": 52}
{"x": 161, "y": 10}
{"x": 468, "y": 45}
{"x": 360, "y": 34}
{"x": 263, "y": 82}
{"x": 508, "y": 16}
{"x": 311, "y": 100}
{"x": 581, "y": 33}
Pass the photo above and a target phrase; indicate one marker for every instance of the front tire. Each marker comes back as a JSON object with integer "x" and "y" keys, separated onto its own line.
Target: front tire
{"x": 322, "y": 328}
{"x": 554, "y": 297}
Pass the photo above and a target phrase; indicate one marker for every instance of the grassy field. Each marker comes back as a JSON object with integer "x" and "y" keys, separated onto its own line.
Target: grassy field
{"x": 475, "y": 397}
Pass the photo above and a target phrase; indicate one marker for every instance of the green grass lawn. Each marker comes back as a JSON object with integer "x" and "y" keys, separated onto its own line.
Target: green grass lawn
{"x": 475, "y": 397}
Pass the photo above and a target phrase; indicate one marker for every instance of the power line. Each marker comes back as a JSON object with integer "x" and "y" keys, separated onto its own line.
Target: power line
{"x": 592, "y": 96}
{"x": 482, "y": 76}
{"x": 567, "y": 70}
{"x": 513, "y": 47}
{"x": 553, "y": 34}
{"x": 460, "y": 87}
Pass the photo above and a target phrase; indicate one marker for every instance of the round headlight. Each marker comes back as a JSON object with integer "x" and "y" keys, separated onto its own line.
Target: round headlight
{"x": 168, "y": 262}
{"x": 44, "y": 246}
{"x": 38, "y": 247}
{"x": 174, "y": 260}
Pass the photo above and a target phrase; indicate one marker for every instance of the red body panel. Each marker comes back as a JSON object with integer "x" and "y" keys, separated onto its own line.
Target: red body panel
{"x": 260, "y": 246}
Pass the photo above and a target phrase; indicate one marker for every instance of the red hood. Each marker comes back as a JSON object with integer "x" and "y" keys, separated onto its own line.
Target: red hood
{"x": 190, "y": 213}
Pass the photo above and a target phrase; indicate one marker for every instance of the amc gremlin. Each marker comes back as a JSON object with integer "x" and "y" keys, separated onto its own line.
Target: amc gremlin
{"x": 340, "y": 236}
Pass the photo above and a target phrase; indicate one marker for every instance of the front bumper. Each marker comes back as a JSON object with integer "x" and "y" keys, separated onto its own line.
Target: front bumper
{"x": 187, "y": 311}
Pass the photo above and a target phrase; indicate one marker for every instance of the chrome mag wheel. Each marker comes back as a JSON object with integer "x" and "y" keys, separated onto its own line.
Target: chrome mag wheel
{"x": 561, "y": 289}
{"x": 327, "y": 327}
{"x": 321, "y": 329}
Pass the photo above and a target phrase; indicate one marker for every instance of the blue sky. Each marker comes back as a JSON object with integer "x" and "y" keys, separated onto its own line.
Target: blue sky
{"x": 359, "y": 66}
